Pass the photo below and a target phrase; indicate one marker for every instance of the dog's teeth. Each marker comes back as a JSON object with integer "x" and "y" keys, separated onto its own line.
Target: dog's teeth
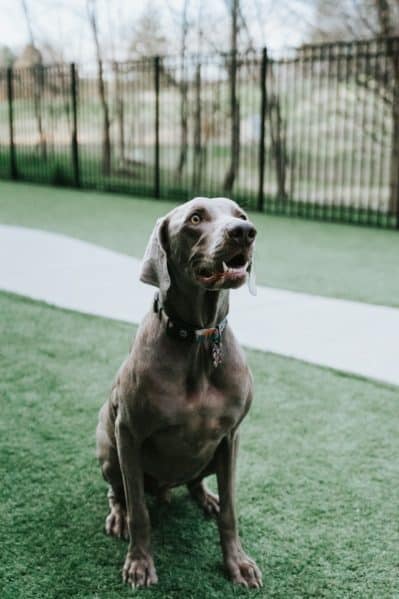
{"x": 225, "y": 267}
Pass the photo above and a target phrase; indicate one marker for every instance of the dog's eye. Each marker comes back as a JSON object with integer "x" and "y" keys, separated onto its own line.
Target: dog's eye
{"x": 242, "y": 216}
{"x": 195, "y": 219}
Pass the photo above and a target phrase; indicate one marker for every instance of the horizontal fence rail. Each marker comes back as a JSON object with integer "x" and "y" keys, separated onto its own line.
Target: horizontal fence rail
{"x": 315, "y": 134}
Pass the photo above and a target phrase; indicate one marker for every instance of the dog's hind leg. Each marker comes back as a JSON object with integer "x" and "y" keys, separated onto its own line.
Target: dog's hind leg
{"x": 115, "y": 522}
{"x": 207, "y": 500}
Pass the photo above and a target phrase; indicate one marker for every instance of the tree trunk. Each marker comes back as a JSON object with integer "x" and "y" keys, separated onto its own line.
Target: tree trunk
{"x": 120, "y": 112}
{"x": 65, "y": 90}
{"x": 232, "y": 171}
{"x": 393, "y": 45}
{"x": 394, "y": 165}
{"x": 183, "y": 129}
{"x": 197, "y": 166}
{"x": 277, "y": 132}
{"x": 183, "y": 88}
{"x": 38, "y": 75}
{"x": 105, "y": 139}
{"x": 38, "y": 85}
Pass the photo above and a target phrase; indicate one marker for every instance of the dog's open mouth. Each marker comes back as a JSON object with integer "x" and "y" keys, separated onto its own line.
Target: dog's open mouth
{"x": 232, "y": 270}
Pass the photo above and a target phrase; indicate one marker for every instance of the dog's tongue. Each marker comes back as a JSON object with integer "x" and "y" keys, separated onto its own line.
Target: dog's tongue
{"x": 230, "y": 273}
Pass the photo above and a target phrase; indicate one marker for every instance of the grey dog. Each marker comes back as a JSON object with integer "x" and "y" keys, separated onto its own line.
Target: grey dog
{"x": 178, "y": 400}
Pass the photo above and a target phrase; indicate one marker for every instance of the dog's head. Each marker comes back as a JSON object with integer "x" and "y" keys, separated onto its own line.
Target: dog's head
{"x": 208, "y": 242}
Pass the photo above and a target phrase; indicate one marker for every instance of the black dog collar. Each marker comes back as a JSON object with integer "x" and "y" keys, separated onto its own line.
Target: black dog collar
{"x": 180, "y": 330}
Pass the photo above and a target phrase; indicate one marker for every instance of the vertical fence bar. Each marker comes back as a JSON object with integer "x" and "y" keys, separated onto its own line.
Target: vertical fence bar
{"x": 75, "y": 146}
{"x": 263, "y": 102}
{"x": 157, "y": 170}
{"x": 392, "y": 50}
{"x": 197, "y": 142}
{"x": 345, "y": 50}
{"x": 317, "y": 194}
{"x": 383, "y": 212}
{"x": 372, "y": 153}
{"x": 10, "y": 97}
{"x": 363, "y": 61}
{"x": 327, "y": 71}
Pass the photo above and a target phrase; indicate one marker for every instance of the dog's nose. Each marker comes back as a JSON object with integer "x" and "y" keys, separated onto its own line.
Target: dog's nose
{"x": 242, "y": 233}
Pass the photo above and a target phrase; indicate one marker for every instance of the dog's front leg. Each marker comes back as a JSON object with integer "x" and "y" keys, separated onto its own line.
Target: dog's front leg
{"x": 240, "y": 568}
{"x": 139, "y": 569}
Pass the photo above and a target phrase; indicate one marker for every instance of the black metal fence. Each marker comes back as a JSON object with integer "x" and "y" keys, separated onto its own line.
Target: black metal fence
{"x": 315, "y": 134}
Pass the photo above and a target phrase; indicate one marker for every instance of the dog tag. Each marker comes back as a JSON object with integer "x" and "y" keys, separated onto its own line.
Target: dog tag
{"x": 217, "y": 354}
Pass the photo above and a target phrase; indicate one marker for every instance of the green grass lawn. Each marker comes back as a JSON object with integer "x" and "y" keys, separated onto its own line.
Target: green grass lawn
{"x": 317, "y": 482}
{"x": 341, "y": 261}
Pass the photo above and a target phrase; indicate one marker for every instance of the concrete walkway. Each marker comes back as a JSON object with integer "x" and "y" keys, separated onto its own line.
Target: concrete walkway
{"x": 350, "y": 336}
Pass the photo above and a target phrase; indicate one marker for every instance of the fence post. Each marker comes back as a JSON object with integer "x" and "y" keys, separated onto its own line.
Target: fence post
{"x": 10, "y": 97}
{"x": 263, "y": 103}
{"x": 393, "y": 50}
{"x": 156, "y": 171}
{"x": 74, "y": 141}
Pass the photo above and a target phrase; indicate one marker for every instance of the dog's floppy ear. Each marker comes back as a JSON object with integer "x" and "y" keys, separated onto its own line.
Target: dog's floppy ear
{"x": 154, "y": 267}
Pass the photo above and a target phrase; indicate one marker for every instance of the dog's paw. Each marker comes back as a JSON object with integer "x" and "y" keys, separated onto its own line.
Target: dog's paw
{"x": 243, "y": 570}
{"x": 139, "y": 571}
{"x": 164, "y": 497}
{"x": 207, "y": 500}
{"x": 210, "y": 503}
{"x": 116, "y": 522}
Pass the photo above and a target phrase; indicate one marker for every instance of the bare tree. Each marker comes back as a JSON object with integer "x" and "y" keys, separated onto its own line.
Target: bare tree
{"x": 7, "y": 57}
{"x": 119, "y": 72}
{"x": 232, "y": 171}
{"x": 197, "y": 145}
{"x": 337, "y": 20}
{"x": 197, "y": 159}
{"x": 183, "y": 88}
{"x": 106, "y": 140}
{"x": 31, "y": 58}
{"x": 278, "y": 144}
{"x": 119, "y": 109}
{"x": 148, "y": 38}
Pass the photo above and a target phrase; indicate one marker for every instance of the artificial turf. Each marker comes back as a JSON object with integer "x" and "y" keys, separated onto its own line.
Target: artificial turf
{"x": 317, "y": 481}
{"x": 343, "y": 261}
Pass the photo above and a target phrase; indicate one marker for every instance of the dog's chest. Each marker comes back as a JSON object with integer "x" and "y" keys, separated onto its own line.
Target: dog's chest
{"x": 192, "y": 424}
{"x": 206, "y": 412}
